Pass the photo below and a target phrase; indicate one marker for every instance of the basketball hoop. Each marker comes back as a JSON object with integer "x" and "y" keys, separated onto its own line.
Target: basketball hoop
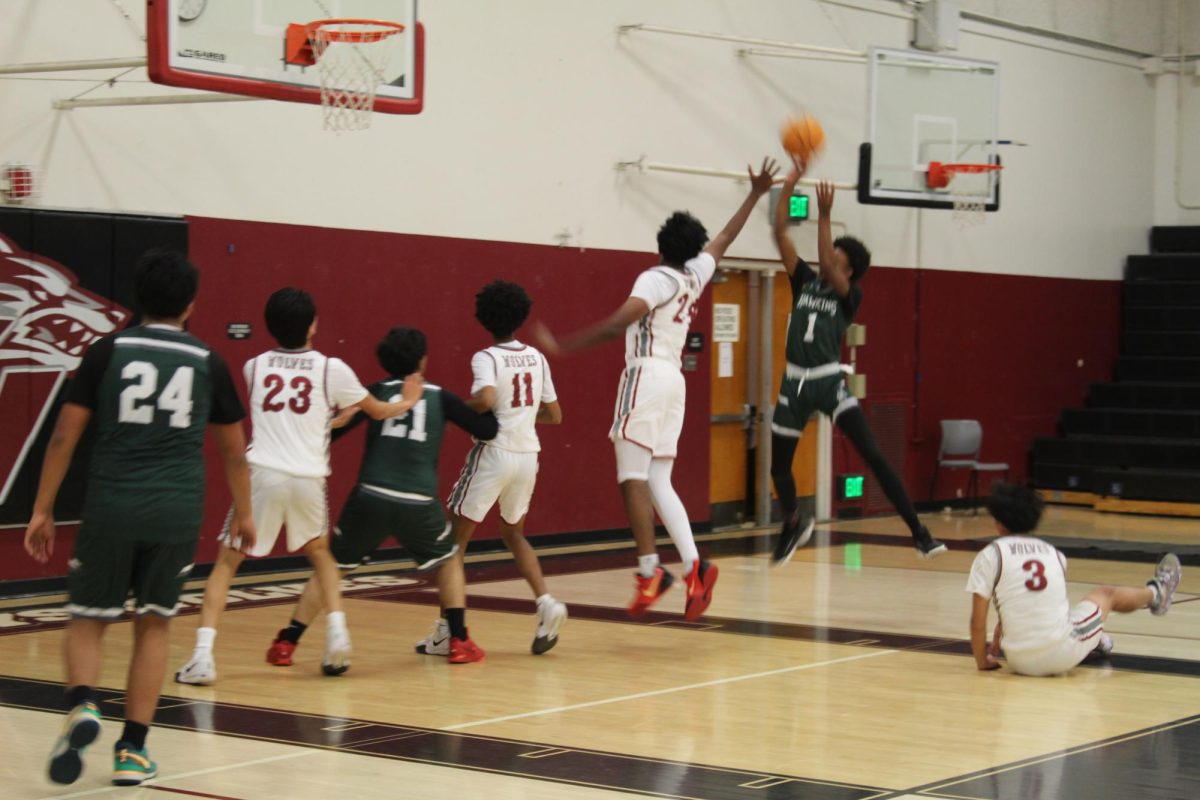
{"x": 351, "y": 62}
{"x": 970, "y": 204}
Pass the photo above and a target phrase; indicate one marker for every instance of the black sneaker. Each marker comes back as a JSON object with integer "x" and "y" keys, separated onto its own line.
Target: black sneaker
{"x": 927, "y": 546}
{"x": 796, "y": 533}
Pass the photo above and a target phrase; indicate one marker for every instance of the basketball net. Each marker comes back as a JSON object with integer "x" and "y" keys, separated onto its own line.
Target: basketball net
{"x": 352, "y": 58}
{"x": 970, "y": 209}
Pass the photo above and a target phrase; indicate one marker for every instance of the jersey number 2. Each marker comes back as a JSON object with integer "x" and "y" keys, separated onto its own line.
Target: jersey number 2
{"x": 175, "y": 397}
{"x": 685, "y": 313}
{"x": 527, "y": 378}
{"x": 1037, "y": 579}
{"x": 299, "y": 402}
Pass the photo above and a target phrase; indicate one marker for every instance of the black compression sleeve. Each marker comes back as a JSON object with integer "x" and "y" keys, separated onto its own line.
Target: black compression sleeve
{"x": 481, "y": 426}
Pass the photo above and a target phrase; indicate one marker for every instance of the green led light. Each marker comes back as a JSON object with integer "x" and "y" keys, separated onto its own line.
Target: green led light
{"x": 852, "y": 486}
{"x": 798, "y": 207}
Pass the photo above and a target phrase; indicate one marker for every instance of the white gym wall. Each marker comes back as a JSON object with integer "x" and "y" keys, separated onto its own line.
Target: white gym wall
{"x": 530, "y": 103}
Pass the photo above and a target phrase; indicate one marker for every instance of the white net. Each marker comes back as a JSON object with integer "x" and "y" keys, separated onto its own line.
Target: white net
{"x": 970, "y": 209}
{"x": 352, "y": 58}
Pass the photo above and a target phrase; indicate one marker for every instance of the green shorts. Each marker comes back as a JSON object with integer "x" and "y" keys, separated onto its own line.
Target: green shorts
{"x": 370, "y": 516}
{"x": 800, "y": 399}
{"x": 106, "y": 570}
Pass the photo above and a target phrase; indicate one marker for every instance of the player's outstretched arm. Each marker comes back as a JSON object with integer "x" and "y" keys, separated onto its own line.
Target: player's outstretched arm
{"x": 481, "y": 426}
{"x": 829, "y": 273}
{"x": 39, "y": 535}
{"x": 783, "y": 239}
{"x": 414, "y": 389}
{"x": 760, "y": 184}
{"x": 549, "y": 413}
{"x": 607, "y": 329}
{"x": 979, "y": 646}
{"x": 231, "y": 442}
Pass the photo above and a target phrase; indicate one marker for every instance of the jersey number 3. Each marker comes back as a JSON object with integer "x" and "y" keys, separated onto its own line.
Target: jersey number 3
{"x": 1037, "y": 578}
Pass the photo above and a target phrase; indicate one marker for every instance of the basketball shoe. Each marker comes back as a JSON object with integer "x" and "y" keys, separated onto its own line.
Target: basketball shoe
{"x": 1166, "y": 581}
{"x": 700, "y": 582}
{"x": 551, "y": 616}
{"x": 200, "y": 670}
{"x": 648, "y": 590}
{"x": 1103, "y": 647}
{"x": 927, "y": 546}
{"x": 437, "y": 643}
{"x": 131, "y": 767}
{"x": 795, "y": 533}
{"x": 280, "y": 651}
{"x": 337, "y": 651}
{"x": 80, "y": 729}
{"x": 465, "y": 651}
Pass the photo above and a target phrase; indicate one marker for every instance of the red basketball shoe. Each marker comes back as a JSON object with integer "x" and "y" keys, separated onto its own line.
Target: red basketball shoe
{"x": 700, "y": 582}
{"x": 648, "y": 590}
{"x": 280, "y": 652}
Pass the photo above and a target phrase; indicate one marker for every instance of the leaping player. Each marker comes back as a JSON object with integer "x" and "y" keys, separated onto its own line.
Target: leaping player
{"x": 512, "y": 380}
{"x": 650, "y": 397}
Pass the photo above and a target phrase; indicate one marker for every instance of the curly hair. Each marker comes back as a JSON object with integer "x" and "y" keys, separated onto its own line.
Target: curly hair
{"x": 401, "y": 351}
{"x": 856, "y": 253}
{"x": 501, "y": 308}
{"x": 1017, "y": 508}
{"x": 681, "y": 238}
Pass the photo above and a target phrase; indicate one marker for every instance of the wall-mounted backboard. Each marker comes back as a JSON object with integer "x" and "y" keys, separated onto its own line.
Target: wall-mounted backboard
{"x": 238, "y": 46}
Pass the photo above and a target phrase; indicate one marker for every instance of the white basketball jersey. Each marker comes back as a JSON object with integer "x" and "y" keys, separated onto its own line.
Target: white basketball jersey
{"x": 522, "y": 381}
{"x": 1029, "y": 587}
{"x": 672, "y": 295}
{"x": 293, "y": 396}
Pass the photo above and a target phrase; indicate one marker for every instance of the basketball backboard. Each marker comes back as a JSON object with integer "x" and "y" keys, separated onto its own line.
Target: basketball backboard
{"x": 238, "y": 47}
{"x": 926, "y": 108}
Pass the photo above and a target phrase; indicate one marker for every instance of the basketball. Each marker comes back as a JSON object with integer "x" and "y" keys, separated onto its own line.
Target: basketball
{"x": 802, "y": 136}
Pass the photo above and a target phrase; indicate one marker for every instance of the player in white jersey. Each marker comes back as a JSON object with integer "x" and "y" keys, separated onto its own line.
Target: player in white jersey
{"x": 650, "y": 398}
{"x": 512, "y": 380}
{"x": 295, "y": 392}
{"x": 1039, "y": 632}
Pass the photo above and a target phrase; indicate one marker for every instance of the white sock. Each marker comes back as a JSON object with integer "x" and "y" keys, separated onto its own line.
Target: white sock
{"x": 336, "y": 620}
{"x": 647, "y": 565}
{"x": 671, "y": 511}
{"x": 1154, "y": 587}
{"x": 544, "y": 599}
{"x": 687, "y": 566}
{"x": 205, "y": 637}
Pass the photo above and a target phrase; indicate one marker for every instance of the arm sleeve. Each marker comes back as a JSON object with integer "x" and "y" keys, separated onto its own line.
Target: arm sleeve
{"x": 654, "y": 287}
{"x": 548, "y": 393}
{"x": 226, "y": 405}
{"x": 85, "y": 386}
{"x": 982, "y": 579}
{"x": 483, "y": 371}
{"x": 481, "y": 426}
{"x": 342, "y": 384}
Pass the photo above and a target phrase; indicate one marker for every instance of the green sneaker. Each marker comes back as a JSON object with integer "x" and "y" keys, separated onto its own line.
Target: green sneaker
{"x": 130, "y": 766}
{"x": 80, "y": 729}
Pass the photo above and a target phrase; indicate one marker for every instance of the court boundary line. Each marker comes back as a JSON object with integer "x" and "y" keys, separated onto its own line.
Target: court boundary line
{"x": 671, "y": 690}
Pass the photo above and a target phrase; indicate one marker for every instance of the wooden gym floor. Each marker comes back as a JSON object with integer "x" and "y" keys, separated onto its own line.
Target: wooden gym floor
{"x": 844, "y": 674}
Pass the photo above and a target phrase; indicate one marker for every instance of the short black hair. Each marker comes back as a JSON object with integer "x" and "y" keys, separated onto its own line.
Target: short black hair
{"x": 164, "y": 283}
{"x": 501, "y": 307}
{"x": 681, "y": 238}
{"x": 1017, "y": 508}
{"x": 290, "y": 313}
{"x": 401, "y": 351}
{"x": 856, "y": 253}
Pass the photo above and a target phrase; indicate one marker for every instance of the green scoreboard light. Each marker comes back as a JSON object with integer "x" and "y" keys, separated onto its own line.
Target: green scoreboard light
{"x": 851, "y": 487}
{"x": 798, "y": 208}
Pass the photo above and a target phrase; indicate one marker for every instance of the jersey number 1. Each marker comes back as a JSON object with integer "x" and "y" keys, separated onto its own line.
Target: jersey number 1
{"x": 527, "y": 377}
{"x": 409, "y": 426}
{"x": 812, "y": 324}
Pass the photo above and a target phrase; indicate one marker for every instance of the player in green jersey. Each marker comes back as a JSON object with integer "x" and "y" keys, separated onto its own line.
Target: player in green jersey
{"x": 148, "y": 393}
{"x": 397, "y": 496}
{"x": 825, "y": 302}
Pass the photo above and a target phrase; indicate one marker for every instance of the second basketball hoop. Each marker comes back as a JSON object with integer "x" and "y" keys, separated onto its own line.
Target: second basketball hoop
{"x": 351, "y": 56}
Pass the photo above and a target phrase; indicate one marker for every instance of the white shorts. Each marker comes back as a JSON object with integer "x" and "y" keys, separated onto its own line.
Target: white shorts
{"x": 1067, "y": 653}
{"x": 492, "y": 474}
{"x": 650, "y": 404}
{"x": 278, "y": 499}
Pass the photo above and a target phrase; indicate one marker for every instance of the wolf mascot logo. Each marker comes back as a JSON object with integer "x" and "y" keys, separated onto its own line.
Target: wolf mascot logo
{"x": 46, "y": 324}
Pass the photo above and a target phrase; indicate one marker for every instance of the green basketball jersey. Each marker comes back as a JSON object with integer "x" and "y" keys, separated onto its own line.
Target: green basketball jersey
{"x": 152, "y": 391}
{"x": 402, "y": 452}
{"x": 819, "y": 319}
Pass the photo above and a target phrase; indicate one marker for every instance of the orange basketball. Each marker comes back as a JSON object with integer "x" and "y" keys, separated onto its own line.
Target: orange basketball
{"x": 802, "y": 136}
